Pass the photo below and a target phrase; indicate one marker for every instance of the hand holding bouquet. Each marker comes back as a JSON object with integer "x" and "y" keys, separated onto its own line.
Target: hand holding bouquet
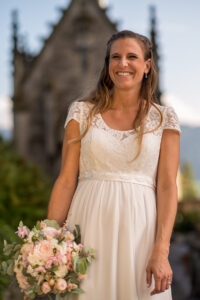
{"x": 48, "y": 259}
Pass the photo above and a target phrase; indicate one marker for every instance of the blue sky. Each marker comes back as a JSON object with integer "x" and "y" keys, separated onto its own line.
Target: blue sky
{"x": 178, "y": 24}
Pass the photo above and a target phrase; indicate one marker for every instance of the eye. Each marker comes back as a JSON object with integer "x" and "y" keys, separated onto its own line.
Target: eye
{"x": 115, "y": 56}
{"x": 132, "y": 56}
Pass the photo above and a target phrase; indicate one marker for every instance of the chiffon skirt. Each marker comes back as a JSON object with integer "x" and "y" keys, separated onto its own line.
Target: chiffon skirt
{"x": 118, "y": 220}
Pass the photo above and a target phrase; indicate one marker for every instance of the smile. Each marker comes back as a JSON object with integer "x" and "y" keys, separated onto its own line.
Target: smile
{"x": 124, "y": 73}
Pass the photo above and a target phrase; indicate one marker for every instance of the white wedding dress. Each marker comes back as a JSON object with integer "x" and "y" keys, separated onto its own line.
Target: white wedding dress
{"x": 115, "y": 205}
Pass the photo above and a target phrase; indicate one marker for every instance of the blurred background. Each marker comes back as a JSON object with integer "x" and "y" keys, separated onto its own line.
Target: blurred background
{"x": 51, "y": 53}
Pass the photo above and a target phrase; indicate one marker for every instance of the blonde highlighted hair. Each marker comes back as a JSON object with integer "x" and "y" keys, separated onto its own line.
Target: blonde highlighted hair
{"x": 101, "y": 98}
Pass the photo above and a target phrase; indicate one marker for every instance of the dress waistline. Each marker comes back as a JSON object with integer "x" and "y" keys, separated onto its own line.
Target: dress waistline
{"x": 109, "y": 176}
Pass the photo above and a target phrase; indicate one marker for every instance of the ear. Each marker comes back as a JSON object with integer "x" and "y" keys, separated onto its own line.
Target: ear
{"x": 147, "y": 65}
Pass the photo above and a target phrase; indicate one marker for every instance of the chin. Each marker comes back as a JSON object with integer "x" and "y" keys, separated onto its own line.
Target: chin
{"x": 124, "y": 86}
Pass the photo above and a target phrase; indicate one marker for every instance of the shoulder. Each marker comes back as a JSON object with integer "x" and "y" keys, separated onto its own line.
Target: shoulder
{"x": 80, "y": 105}
{"x": 78, "y": 110}
{"x": 170, "y": 118}
{"x": 168, "y": 111}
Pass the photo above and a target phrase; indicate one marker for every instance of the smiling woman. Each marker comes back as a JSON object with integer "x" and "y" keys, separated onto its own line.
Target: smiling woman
{"x": 125, "y": 149}
{"x": 127, "y": 65}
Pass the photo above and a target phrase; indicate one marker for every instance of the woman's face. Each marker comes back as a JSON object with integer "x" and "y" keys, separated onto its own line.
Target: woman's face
{"x": 127, "y": 65}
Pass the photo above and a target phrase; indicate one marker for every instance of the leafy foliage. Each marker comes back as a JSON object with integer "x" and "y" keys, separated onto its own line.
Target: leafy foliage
{"x": 189, "y": 186}
{"x": 24, "y": 195}
{"x": 187, "y": 221}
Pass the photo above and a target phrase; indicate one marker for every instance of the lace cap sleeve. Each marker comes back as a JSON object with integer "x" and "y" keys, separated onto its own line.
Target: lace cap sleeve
{"x": 74, "y": 112}
{"x": 171, "y": 120}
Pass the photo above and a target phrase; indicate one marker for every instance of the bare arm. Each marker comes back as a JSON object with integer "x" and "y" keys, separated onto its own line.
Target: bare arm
{"x": 158, "y": 265}
{"x": 65, "y": 185}
{"x": 167, "y": 188}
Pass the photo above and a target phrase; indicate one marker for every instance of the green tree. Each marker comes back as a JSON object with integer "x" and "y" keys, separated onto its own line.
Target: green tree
{"x": 189, "y": 186}
{"x": 24, "y": 195}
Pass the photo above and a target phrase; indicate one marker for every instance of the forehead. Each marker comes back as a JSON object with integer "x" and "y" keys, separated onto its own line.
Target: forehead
{"x": 126, "y": 45}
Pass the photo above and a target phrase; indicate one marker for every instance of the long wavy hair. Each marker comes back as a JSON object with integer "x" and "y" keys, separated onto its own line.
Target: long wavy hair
{"x": 101, "y": 98}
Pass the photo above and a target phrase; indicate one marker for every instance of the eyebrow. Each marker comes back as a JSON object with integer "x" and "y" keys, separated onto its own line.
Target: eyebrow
{"x": 130, "y": 53}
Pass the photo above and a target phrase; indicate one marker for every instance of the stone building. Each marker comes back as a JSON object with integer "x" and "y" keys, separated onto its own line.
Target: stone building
{"x": 66, "y": 68}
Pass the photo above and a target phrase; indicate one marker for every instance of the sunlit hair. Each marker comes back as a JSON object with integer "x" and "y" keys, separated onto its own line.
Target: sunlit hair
{"x": 101, "y": 98}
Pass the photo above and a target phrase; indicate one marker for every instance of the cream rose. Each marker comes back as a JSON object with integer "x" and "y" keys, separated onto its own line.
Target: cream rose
{"x": 62, "y": 271}
{"x": 61, "y": 284}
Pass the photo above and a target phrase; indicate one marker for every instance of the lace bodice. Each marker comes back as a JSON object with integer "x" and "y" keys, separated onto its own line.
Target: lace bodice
{"x": 106, "y": 153}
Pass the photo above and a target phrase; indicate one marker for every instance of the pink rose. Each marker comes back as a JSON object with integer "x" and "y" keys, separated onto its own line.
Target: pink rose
{"x": 22, "y": 280}
{"x": 81, "y": 276}
{"x": 50, "y": 261}
{"x": 45, "y": 288}
{"x": 71, "y": 286}
{"x": 69, "y": 235}
{"x": 42, "y": 224}
{"x": 80, "y": 246}
{"x": 22, "y": 232}
{"x": 43, "y": 250}
{"x": 51, "y": 282}
{"x": 69, "y": 255}
{"x": 61, "y": 284}
{"x": 59, "y": 257}
{"x": 27, "y": 249}
{"x": 50, "y": 231}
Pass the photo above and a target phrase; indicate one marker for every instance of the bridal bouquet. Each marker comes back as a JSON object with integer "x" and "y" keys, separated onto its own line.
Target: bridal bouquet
{"x": 48, "y": 259}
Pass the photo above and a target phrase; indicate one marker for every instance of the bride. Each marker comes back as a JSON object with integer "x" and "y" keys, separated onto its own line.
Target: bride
{"x": 124, "y": 149}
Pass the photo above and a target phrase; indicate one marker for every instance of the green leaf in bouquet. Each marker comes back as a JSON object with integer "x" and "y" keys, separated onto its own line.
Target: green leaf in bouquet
{"x": 32, "y": 295}
{"x": 17, "y": 247}
{"x": 75, "y": 262}
{"x": 61, "y": 240}
{"x": 72, "y": 277}
{"x": 89, "y": 260}
{"x": 21, "y": 224}
{"x": 52, "y": 223}
{"x": 35, "y": 238}
{"x": 77, "y": 291}
{"x": 17, "y": 253}
{"x": 31, "y": 280}
{"x": 37, "y": 226}
{"x": 4, "y": 267}
{"x": 8, "y": 248}
{"x": 54, "y": 268}
{"x": 81, "y": 265}
{"x": 10, "y": 270}
{"x": 64, "y": 294}
{"x": 30, "y": 292}
{"x": 77, "y": 234}
{"x": 35, "y": 288}
{"x": 92, "y": 253}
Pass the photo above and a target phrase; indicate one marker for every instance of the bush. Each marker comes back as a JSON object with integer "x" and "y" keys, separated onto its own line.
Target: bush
{"x": 187, "y": 221}
{"x": 24, "y": 195}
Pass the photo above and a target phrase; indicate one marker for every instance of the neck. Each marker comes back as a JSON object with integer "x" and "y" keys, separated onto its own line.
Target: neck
{"x": 125, "y": 99}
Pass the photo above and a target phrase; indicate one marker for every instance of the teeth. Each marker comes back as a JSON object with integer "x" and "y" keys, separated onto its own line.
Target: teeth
{"x": 124, "y": 73}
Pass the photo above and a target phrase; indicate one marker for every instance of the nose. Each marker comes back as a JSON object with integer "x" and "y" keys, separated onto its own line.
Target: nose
{"x": 123, "y": 62}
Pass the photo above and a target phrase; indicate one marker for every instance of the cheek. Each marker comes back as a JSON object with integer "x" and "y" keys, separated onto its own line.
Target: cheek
{"x": 111, "y": 69}
{"x": 112, "y": 65}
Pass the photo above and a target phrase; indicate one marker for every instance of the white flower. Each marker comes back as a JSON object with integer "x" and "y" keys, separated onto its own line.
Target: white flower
{"x": 34, "y": 260}
{"x": 31, "y": 234}
{"x": 54, "y": 243}
{"x": 62, "y": 248}
{"x": 62, "y": 271}
{"x": 30, "y": 270}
